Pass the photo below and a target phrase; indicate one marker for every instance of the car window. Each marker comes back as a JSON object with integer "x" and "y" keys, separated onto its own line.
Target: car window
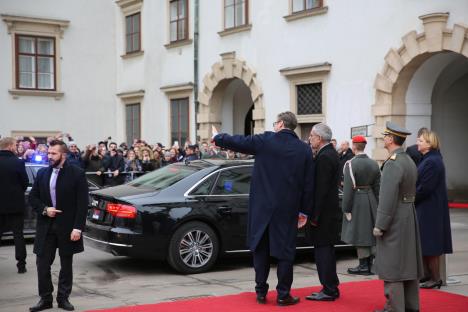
{"x": 30, "y": 176}
{"x": 32, "y": 172}
{"x": 164, "y": 177}
{"x": 234, "y": 181}
{"x": 205, "y": 187}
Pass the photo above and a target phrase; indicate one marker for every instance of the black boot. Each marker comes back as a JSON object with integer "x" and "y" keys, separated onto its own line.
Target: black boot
{"x": 362, "y": 269}
{"x": 370, "y": 261}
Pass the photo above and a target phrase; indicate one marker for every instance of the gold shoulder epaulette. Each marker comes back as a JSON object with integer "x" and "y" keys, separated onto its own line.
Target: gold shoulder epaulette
{"x": 393, "y": 157}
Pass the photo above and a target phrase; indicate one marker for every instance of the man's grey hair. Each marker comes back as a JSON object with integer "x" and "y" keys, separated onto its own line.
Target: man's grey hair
{"x": 323, "y": 131}
{"x": 289, "y": 120}
{"x": 6, "y": 142}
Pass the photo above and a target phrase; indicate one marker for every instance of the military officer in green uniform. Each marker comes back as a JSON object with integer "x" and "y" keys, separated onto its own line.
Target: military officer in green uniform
{"x": 360, "y": 197}
{"x": 398, "y": 258}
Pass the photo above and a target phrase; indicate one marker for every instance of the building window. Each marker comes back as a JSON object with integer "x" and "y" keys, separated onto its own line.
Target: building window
{"x": 132, "y": 30}
{"x": 235, "y": 13}
{"x": 178, "y": 20}
{"x": 309, "y": 98}
{"x": 132, "y": 122}
{"x": 308, "y": 90}
{"x": 304, "y": 5}
{"x": 35, "y": 63}
{"x": 179, "y": 120}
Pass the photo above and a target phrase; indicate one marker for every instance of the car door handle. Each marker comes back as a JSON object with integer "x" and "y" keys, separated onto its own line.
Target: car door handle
{"x": 224, "y": 209}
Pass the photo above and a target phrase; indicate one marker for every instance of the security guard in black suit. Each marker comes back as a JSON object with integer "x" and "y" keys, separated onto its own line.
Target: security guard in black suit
{"x": 60, "y": 198}
{"x": 13, "y": 183}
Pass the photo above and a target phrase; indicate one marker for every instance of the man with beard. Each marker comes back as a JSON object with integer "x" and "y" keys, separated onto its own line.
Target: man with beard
{"x": 59, "y": 196}
{"x": 13, "y": 183}
{"x": 281, "y": 188}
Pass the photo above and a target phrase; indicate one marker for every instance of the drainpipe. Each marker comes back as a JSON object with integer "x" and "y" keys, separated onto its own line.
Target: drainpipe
{"x": 195, "y": 64}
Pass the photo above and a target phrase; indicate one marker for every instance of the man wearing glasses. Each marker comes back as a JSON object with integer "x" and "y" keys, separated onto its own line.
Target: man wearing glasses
{"x": 281, "y": 189}
{"x": 325, "y": 221}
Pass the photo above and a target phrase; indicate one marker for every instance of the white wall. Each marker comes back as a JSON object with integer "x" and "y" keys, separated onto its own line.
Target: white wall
{"x": 87, "y": 110}
{"x": 420, "y": 89}
{"x": 450, "y": 110}
{"x": 354, "y": 36}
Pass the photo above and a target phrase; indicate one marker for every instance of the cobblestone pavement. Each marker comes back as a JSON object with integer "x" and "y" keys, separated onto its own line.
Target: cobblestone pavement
{"x": 102, "y": 280}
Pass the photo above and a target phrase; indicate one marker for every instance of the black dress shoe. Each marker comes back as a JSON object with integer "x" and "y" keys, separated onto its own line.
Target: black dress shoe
{"x": 261, "y": 299}
{"x": 431, "y": 284}
{"x": 289, "y": 300}
{"x": 65, "y": 304}
{"x": 321, "y": 296}
{"x": 22, "y": 270}
{"x": 41, "y": 305}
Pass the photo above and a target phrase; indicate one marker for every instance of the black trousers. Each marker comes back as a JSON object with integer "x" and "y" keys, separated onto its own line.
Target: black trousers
{"x": 44, "y": 262}
{"x": 15, "y": 223}
{"x": 284, "y": 271}
{"x": 326, "y": 266}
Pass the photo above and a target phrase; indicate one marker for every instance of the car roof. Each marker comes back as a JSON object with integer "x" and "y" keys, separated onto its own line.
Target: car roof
{"x": 29, "y": 164}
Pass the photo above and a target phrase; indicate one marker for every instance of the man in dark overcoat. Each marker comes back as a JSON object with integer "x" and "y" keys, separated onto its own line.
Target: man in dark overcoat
{"x": 60, "y": 198}
{"x": 325, "y": 221}
{"x": 398, "y": 256}
{"x": 345, "y": 154}
{"x": 412, "y": 150}
{"x": 13, "y": 183}
{"x": 360, "y": 196}
{"x": 281, "y": 188}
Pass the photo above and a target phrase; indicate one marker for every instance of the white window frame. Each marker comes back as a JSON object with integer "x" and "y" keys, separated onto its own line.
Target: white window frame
{"x": 37, "y": 27}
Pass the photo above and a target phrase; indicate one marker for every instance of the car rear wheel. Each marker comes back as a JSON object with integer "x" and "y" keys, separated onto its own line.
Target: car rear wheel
{"x": 193, "y": 248}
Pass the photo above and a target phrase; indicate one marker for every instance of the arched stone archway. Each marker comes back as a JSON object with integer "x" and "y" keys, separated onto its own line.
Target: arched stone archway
{"x": 210, "y": 98}
{"x": 400, "y": 65}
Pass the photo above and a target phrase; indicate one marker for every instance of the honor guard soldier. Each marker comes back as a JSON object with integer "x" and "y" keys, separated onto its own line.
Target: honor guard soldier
{"x": 360, "y": 197}
{"x": 398, "y": 258}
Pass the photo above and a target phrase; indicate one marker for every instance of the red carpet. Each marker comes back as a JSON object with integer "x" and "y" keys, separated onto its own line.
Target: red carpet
{"x": 458, "y": 205}
{"x": 355, "y": 296}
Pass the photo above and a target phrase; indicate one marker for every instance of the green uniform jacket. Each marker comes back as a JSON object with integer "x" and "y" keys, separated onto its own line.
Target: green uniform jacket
{"x": 398, "y": 255}
{"x": 360, "y": 199}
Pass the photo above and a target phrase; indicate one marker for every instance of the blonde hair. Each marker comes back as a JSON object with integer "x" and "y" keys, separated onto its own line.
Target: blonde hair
{"x": 6, "y": 142}
{"x": 432, "y": 139}
{"x": 145, "y": 148}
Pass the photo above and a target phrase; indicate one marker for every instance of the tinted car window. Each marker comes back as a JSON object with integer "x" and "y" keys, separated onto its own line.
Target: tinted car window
{"x": 205, "y": 187}
{"x": 234, "y": 181}
{"x": 164, "y": 177}
{"x": 32, "y": 170}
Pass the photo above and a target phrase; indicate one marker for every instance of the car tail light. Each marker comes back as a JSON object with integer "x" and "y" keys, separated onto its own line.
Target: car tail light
{"x": 121, "y": 210}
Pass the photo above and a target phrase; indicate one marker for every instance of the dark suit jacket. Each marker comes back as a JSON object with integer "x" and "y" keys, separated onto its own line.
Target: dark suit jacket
{"x": 281, "y": 186}
{"x": 415, "y": 155}
{"x": 13, "y": 183}
{"x": 71, "y": 198}
{"x": 327, "y": 213}
{"x": 343, "y": 158}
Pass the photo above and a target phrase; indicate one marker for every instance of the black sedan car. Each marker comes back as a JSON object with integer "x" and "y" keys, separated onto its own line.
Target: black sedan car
{"x": 186, "y": 213}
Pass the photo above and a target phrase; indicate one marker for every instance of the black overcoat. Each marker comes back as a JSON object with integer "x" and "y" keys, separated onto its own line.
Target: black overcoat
{"x": 13, "y": 183}
{"x": 71, "y": 198}
{"x": 281, "y": 186}
{"x": 432, "y": 206}
{"x": 326, "y": 213}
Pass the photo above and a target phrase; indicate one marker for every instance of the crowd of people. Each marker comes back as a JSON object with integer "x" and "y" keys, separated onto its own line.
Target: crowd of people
{"x": 109, "y": 164}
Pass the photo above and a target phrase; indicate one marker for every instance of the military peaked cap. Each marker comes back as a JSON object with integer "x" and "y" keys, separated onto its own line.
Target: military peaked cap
{"x": 393, "y": 128}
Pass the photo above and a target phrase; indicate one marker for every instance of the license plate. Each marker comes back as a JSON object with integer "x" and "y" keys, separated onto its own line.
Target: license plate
{"x": 96, "y": 214}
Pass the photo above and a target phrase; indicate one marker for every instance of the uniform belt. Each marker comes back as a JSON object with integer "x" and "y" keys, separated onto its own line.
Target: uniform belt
{"x": 362, "y": 187}
{"x": 408, "y": 198}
